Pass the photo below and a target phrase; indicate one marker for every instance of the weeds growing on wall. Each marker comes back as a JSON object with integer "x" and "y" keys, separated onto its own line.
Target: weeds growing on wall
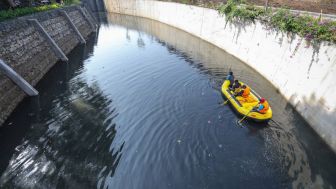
{"x": 13, "y": 13}
{"x": 306, "y": 26}
{"x": 232, "y": 10}
{"x": 8, "y": 14}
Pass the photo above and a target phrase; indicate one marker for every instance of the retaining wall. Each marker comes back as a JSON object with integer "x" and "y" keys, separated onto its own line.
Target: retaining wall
{"x": 26, "y": 49}
{"x": 303, "y": 72}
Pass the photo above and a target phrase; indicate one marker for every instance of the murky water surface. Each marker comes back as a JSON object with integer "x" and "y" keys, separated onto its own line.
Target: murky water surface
{"x": 138, "y": 107}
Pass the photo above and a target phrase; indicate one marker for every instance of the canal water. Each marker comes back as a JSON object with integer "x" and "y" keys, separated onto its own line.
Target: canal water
{"x": 139, "y": 107}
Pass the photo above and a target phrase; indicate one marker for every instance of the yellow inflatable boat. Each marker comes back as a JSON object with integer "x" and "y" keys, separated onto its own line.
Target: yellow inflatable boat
{"x": 244, "y": 105}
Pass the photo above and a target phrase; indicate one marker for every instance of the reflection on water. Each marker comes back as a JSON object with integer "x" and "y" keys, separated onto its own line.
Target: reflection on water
{"x": 61, "y": 150}
{"x": 138, "y": 108}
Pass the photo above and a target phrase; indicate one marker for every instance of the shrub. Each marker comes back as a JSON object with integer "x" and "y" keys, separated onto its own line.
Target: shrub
{"x": 71, "y": 2}
{"x": 306, "y": 26}
{"x": 8, "y": 14}
{"x": 234, "y": 10}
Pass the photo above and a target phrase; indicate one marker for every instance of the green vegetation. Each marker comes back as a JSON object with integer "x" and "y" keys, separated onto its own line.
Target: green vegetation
{"x": 232, "y": 10}
{"x": 185, "y": 1}
{"x": 13, "y": 13}
{"x": 304, "y": 25}
{"x": 71, "y": 2}
{"x": 8, "y": 14}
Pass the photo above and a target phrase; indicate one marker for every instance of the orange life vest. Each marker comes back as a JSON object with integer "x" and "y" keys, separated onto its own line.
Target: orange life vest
{"x": 246, "y": 92}
{"x": 266, "y": 107}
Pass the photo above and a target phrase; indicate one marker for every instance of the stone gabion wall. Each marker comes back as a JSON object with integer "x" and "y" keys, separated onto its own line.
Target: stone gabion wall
{"x": 59, "y": 29}
{"x": 81, "y": 24}
{"x": 28, "y": 52}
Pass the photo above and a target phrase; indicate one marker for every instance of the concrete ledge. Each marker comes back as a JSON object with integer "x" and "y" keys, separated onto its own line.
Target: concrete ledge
{"x": 74, "y": 28}
{"x": 58, "y": 51}
{"x": 17, "y": 79}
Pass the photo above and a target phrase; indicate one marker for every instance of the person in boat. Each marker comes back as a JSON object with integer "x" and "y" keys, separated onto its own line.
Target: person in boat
{"x": 262, "y": 107}
{"x": 245, "y": 92}
{"x": 236, "y": 87}
{"x": 230, "y": 77}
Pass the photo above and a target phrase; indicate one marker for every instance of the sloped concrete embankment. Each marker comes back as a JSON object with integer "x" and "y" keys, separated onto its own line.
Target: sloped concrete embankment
{"x": 303, "y": 72}
{"x": 31, "y": 45}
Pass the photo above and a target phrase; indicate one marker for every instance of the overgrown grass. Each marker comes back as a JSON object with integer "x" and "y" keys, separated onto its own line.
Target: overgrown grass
{"x": 232, "y": 11}
{"x": 8, "y": 14}
{"x": 304, "y": 25}
{"x": 185, "y": 1}
{"x": 71, "y": 2}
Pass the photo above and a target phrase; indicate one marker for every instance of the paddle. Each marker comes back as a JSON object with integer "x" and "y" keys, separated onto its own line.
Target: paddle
{"x": 240, "y": 121}
{"x": 226, "y": 101}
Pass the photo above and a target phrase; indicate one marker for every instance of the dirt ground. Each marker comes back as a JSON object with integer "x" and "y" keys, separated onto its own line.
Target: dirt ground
{"x": 327, "y": 6}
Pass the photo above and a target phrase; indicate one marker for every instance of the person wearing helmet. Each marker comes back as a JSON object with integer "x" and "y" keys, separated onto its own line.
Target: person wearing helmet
{"x": 230, "y": 77}
{"x": 263, "y": 106}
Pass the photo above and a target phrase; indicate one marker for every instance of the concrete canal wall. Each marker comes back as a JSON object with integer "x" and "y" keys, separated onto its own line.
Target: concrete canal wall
{"x": 303, "y": 72}
{"x": 31, "y": 45}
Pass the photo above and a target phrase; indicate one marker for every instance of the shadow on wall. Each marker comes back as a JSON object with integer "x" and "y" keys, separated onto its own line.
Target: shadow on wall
{"x": 240, "y": 26}
{"x": 321, "y": 118}
{"x": 301, "y": 42}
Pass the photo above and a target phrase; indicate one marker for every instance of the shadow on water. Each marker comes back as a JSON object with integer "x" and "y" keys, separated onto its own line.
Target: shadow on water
{"x": 50, "y": 155}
